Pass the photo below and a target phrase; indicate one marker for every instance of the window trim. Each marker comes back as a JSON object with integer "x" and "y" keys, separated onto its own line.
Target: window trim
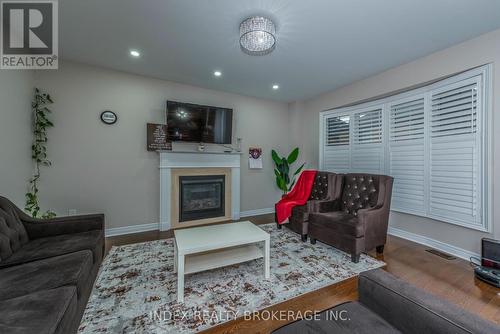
{"x": 486, "y": 137}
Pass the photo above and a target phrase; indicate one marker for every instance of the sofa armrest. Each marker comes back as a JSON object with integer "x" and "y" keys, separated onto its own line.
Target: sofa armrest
{"x": 328, "y": 205}
{"x": 39, "y": 228}
{"x": 412, "y": 310}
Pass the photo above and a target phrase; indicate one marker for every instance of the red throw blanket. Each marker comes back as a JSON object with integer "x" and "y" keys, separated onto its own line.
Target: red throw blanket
{"x": 298, "y": 196}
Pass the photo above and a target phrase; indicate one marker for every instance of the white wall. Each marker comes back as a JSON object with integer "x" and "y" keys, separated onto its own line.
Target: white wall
{"x": 16, "y": 92}
{"x": 482, "y": 50}
{"x": 101, "y": 168}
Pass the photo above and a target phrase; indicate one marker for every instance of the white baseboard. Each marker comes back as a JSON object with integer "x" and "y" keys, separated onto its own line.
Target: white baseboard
{"x": 111, "y": 232}
{"x": 256, "y": 212}
{"x": 436, "y": 244}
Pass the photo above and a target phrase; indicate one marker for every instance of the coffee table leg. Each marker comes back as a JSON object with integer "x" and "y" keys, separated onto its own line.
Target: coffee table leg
{"x": 180, "y": 278}
{"x": 267, "y": 252}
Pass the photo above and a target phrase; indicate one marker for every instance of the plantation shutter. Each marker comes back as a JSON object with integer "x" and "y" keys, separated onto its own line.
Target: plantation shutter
{"x": 367, "y": 150}
{"x": 435, "y": 141}
{"x": 407, "y": 154}
{"x": 454, "y": 154}
{"x": 337, "y": 144}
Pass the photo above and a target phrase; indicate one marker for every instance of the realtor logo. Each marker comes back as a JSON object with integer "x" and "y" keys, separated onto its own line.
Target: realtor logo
{"x": 29, "y": 33}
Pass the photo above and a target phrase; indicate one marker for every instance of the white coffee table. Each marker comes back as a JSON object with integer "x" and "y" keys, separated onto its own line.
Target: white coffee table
{"x": 207, "y": 247}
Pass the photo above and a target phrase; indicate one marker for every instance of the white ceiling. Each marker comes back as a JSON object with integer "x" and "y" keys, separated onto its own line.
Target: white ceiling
{"x": 321, "y": 44}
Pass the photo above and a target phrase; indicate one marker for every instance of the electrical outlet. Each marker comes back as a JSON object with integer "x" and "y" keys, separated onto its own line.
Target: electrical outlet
{"x": 72, "y": 212}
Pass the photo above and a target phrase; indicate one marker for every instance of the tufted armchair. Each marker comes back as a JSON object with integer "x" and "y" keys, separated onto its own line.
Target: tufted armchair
{"x": 358, "y": 220}
{"x": 327, "y": 187}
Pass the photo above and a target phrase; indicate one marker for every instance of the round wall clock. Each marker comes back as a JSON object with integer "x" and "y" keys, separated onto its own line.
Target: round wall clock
{"x": 108, "y": 117}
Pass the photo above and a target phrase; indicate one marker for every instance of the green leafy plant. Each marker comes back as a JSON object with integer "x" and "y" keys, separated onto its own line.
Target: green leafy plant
{"x": 284, "y": 180}
{"x": 39, "y": 150}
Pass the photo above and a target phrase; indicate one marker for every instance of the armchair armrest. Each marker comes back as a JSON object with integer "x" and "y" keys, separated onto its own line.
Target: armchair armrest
{"x": 39, "y": 228}
{"x": 328, "y": 205}
{"x": 376, "y": 213}
{"x": 375, "y": 222}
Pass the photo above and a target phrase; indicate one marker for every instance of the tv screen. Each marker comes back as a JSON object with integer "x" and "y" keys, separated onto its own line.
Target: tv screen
{"x": 196, "y": 123}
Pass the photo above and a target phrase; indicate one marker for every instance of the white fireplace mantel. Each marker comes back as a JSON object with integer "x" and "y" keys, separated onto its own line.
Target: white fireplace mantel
{"x": 190, "y": 159}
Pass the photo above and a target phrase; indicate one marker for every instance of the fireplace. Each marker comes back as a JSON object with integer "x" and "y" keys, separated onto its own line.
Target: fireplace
{"x": 201, "y": 197}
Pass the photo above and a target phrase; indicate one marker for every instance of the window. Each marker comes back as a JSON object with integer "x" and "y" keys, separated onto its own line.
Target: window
{"x": 433, "y": 140}
{"x": 367, "y": 150}
{"x": 337, "y": 146}
{"x": 406, "y": 154}
{"x": 455, "y": 153}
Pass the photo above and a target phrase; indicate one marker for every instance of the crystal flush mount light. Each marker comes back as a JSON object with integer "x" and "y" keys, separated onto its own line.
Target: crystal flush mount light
{"x": 257, "y": 36}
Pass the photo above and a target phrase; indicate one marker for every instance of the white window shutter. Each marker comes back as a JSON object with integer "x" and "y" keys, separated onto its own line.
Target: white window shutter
{"x": 367, "y": 148}
{"x": 435, "y": 141}
{"x": 455, "y": 151}
{"x": 407, "y": 154}
{"x": 337, "y": 139}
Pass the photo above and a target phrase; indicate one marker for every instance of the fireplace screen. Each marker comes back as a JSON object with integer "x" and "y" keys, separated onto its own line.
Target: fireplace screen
{"x": 201, "y": 197}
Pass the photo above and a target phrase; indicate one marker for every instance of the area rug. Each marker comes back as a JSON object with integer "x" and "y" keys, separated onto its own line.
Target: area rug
{"x": 136, "y": 288}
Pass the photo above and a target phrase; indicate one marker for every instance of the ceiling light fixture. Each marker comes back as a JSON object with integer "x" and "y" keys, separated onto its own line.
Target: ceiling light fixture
{"x": 257, "y": 36}
{"x": 135, "y": 53}
{"x": 275, "y": 86}
{"x": 217, "y": 73}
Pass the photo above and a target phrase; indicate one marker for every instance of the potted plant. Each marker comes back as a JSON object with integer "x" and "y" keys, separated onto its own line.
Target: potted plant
{"x": 284, "y": 180}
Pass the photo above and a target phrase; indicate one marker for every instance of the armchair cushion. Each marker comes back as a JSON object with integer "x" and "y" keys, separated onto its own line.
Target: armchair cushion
{"x": 360, "y": 191}
{"x": 338, "y": 222}
{"x": 70, "y": 269}
{"x": 44, "y": 248}
{"x": 320, "y": 187}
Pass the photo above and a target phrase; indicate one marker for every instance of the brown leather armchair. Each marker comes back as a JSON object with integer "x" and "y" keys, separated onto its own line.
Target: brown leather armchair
{"x": 326, "y": 187}
{"x": 357, "y": 221}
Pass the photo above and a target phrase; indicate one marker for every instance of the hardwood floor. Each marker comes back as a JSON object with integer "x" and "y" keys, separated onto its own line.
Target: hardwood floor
{"x": 450, "y": 279}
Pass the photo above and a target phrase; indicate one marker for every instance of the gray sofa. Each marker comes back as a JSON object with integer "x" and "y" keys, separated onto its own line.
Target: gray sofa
{"x": 389, "y": 305}
{"x": 47, "y": 270}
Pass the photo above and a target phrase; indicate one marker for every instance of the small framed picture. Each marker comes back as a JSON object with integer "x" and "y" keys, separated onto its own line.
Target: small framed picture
{"x": 255, "y": 158}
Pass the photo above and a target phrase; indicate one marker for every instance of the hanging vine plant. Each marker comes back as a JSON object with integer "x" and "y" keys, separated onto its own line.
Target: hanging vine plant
{"x": 41, "y": 123}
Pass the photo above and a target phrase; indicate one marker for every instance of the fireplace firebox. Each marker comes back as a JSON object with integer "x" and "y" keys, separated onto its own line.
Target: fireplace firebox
{"x": 201, "y": 197}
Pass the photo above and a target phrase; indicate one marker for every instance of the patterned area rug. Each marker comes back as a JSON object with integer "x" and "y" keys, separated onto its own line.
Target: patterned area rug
{"x": 136, "y": 288}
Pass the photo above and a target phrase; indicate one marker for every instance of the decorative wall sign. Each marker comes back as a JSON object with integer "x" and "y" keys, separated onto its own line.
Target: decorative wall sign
{"x": 157, "y": 138}
{"x": 108, "y": 117}
{"x": 255, "y": 158}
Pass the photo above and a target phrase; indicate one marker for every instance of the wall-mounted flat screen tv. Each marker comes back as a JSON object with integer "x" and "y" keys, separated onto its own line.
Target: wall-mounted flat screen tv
{"x": 196, "y": 123}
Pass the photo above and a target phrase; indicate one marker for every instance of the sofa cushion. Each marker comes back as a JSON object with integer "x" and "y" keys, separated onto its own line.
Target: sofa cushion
{"x": 360, "y": 192}
{"x": 415, "y": 311}
{"x": 44, "y": 248}
{"x": 42, "y": 312}
{"x": 345, "y": 318}
{"x": 13, "y": 235}
{"x": 339, "y": 222}
{"x": 70, "y": 269}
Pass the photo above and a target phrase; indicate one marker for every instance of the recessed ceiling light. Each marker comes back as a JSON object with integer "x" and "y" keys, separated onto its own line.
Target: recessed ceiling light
{"x": 217, "y": 73}
{"x": 275, "y": 86}
{"x": 135, "y": 53}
